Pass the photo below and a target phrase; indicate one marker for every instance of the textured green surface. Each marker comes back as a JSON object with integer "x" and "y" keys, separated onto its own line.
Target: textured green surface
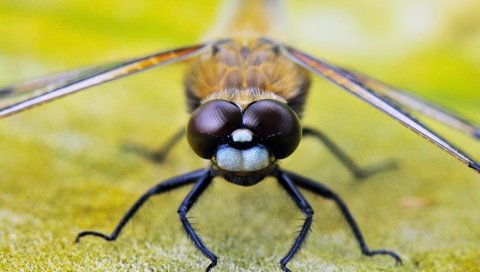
{"x": 62, "y": 169}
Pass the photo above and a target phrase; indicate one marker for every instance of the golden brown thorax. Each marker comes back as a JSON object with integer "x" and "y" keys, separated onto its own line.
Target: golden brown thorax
{"x": 245, "y": 72}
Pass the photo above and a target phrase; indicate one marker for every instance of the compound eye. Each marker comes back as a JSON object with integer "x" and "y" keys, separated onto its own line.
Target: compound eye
{"x": 209, "y": 123}
{"x": 276, "y": 124}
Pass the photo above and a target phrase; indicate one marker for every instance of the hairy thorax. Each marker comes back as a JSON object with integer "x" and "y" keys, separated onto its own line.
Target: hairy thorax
{"x": 243, "y": 72}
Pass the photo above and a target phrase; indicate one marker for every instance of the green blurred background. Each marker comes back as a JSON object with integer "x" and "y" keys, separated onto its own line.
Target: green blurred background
{"x": 62, "y": 169}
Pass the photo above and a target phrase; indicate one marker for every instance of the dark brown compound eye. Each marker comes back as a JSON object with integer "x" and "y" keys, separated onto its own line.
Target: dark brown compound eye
{"x": 277, "y": 126}
{"x": 209, "y": 123}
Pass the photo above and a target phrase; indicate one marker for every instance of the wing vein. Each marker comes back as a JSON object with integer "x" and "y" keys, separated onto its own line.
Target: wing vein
{"x": 56, "y": 86}
{"x": 353, "y": 86}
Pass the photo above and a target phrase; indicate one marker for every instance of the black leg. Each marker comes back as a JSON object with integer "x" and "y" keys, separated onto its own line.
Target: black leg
{"x": 325, "y": 192}
{"x": 347, "y": 161}
{"x": 155, "y": 156}
{"x": 165, "y": 186}
{"x": 186, "y": 205}
{"x": 303, "y": 205}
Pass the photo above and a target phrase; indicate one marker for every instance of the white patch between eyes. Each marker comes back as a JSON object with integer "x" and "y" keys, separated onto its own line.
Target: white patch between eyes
{"x": 242, "y": 135}
{"x": 235, "y": 160}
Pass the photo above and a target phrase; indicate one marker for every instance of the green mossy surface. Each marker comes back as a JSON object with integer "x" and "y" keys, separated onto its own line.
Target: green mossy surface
{"x": 62, "y": 169}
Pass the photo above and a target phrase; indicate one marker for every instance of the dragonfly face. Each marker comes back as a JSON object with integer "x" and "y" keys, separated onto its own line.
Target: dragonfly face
{"x": 243, "y": 145}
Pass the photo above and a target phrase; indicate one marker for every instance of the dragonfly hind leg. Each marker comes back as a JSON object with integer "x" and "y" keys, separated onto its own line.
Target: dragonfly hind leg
{"x": 158, "y": 155}
{"x": 357, "y": 171}
{"x": 322, "y": 190}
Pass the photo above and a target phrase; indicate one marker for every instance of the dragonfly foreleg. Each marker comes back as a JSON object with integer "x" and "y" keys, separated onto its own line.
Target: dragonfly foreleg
{"x": 158, "y": 155}
{"x": 357, "y": 171}
{"x": 162, "y": 187}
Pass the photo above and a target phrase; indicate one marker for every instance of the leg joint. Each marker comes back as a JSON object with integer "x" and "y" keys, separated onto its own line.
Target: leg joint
{"x": 308, "y": 212}
{"x": 182, "y": 211}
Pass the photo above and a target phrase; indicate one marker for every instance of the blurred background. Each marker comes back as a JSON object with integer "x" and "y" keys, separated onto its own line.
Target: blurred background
{"x": 62, "y": 168}
{"x": 442, "y": 36}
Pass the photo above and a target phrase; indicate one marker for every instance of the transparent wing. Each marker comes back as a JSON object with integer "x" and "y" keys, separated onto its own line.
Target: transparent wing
{"x": 353, "y": 86}
{"x": 22, "y": 96}
{"x": 418, "y": 104}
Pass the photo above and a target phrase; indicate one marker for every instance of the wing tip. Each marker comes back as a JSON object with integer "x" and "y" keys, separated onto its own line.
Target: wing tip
{"x": 475, "y": 166}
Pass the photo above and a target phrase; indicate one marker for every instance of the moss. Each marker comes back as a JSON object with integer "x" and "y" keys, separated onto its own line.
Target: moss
{"x": 63, "y": 169}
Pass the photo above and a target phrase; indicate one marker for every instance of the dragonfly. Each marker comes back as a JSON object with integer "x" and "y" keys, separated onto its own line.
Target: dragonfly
{"x": 246, "y": 92}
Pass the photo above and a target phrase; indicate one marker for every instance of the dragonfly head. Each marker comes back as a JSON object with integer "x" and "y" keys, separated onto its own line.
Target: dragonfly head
{"x": 243, "y": 145}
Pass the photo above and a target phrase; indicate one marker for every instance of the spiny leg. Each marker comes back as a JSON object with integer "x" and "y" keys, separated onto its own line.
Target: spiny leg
{"x": 303, "y": 205}
{"x": 357, "y": 171}
{"x": 325, "y": 192}
{"x": 158, "y": 155}
{"x": 162, "y": 187}
{"x": 186, "y": 205}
